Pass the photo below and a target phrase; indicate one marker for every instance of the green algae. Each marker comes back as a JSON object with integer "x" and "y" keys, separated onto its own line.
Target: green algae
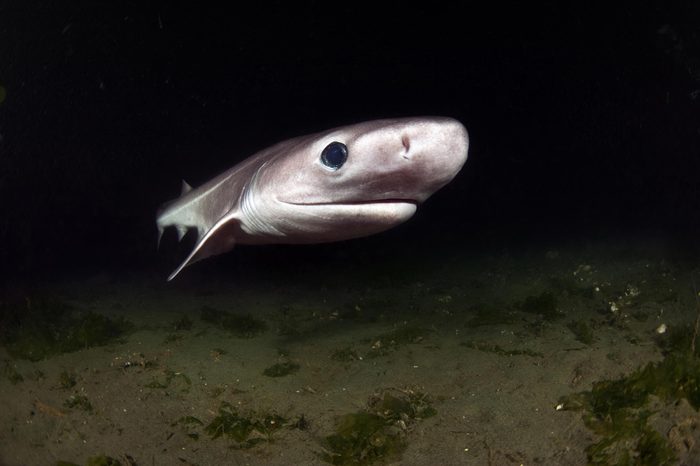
{"x": 45, "y": 326}
{"x": 385, "y": 343}
{"x": 544, "y": 305}
{"x": 377, "y": 434}
{"x": 582, "y": 331}
{"x": 78, "y": 402}
{"x": 242, "y": 326}
{"x": 281, "y": 369}
{"x": 183, "y": 323}
{"x": 10, "y": 373}
{"x": 363, "y": 438}
{"x": 345, "y": 355}
{"x": 499, "y": 350}
{"x": 245, "y": 431}
{"x": 488, "y": 314}
{"x": 67, "y": 380}
{"x": 618, "y": 410}
{"x": 173, "y": 337}
{"x": 101, "y": 460}
{"x": 189, "y": 424}
{"x": 172, "y": 380}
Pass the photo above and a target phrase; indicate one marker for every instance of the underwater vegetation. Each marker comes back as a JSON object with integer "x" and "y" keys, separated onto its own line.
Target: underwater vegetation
{"x": 244, "y": 430}
{"x": 391, "y": 341}
{"x": 42, "y": 327}
{"x": 67, "y": 380}
{"x": 497, "y": 349}
{"x": 10, "y": 373}
{"x": 281, "y": 369}
{"x": 378, "y": 433}
{"x": 620, "y": 411}
{"x": 582, "y": 331}
{"x": 345, "y": 355}
{"x": 101, "y": 460}
{"x": 183, "y": 323}
{"x": 189, "y": 423}
{"x": 172, "y": 380}
{"x": 544, "y": 304}
{"x": 488, "y": 314}
{"x": 78, "y": 402}
{"x": 245, "y": 326}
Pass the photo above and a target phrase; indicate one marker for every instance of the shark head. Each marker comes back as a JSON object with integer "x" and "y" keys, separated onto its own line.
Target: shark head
{"x": 339, "y": 184}
{"x": 353, "y": 181}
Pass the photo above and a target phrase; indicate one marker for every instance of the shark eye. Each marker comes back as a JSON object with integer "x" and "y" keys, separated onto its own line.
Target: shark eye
{"x": 334, "y": 155}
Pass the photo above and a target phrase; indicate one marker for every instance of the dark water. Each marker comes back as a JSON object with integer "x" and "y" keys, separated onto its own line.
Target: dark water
{"x": 563, "y": 254}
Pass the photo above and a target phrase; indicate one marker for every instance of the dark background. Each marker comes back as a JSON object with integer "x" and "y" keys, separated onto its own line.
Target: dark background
{"x": 584, "y": 118}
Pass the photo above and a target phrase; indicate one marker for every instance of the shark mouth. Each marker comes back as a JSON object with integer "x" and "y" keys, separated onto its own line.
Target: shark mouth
{"x": 349, "y": 203}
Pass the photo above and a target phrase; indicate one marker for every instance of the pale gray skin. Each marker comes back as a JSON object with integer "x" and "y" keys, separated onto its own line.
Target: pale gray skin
{"x": 285, "y": 194}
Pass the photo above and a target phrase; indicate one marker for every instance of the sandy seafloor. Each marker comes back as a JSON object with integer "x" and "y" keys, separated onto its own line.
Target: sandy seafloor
{"x": 491, "y": 408}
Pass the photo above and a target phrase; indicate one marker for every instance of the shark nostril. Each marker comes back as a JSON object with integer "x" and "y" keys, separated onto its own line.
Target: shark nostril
{"x": 406, "y": 142}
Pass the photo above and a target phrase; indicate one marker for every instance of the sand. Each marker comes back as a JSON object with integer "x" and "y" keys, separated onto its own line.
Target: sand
{"x": 492, "y": 407}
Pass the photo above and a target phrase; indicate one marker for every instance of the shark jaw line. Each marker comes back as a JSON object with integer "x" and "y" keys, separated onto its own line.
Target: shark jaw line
{"x": 356, "y": 203}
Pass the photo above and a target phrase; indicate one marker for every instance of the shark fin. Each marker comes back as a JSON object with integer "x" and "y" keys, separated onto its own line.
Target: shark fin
{"x": 160, "y": 235}
{"x": 181, "y": 231}
{"x": 219, "y": 239}
{"x": 186, "y": 188}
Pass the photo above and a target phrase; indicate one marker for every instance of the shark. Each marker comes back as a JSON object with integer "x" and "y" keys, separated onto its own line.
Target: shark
{"x": 342, "y": 183}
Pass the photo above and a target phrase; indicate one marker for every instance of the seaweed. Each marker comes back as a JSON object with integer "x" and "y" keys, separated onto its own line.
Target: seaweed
{"x": 618, "y": 410}
{"x": 79, "y": 402}
{"x": 363, "y": 438}
{"x": 281, "y": 369}
{"x": 678, "y": 340}
{"x": 43, "y": 327}
{"x": 10, "y": 373}
{"x": 242, "y": 326}
{"x": 173, "y": 337}
{"x": 102, "y": 460}
{"x": 377, "y": 433}
{"x": 390, "y": 341}
{"x": 488, "y": 314}
{"x": 67, "y": 380}
{"x": 582, "y": 331}
{"x": 345, "y": 355}
{"x": 499, "y": 350}
{"x": 183, "y": 323}
{"x": 172, "y": 378}
{"x": 544, "y": 304}
{"x": 245, "y": 430}
{"x": 189, "y": 423}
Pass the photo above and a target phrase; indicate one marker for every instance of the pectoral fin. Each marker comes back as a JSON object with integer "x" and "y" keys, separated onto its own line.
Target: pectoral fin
{"x": 219, "y": 239}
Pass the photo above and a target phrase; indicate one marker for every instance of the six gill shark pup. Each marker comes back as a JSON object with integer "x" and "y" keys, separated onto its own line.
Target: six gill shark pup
{"x": 339, "y": 184}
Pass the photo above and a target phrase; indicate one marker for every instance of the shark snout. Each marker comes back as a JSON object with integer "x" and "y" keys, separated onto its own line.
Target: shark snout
{"x": 436, "y": 150}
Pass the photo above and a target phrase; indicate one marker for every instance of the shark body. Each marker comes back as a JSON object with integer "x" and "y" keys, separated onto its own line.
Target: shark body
{"x": 338, "y": 184}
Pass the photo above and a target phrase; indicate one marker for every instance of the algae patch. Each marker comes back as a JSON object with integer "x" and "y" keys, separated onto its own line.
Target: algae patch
{"x": 244, "y": 430}
{"x": 544, "y": 305}
{"x": 172, "y": 380}
{"x": 488, "y": 314}
{"x": 499, "y": 350}
{"x": 582, "y": 331}
{"x": 345, "y": 355}
{"x": 43, "y": 327}
{"x": 281, "y": 369}
{"x": 377, "y": 433}
{"x": 618, "y": 411}
{"x": 242, "y": 326}
{"x": 78, "y": 402}
{"x": 390, "y": 341}
{"x": 10, "y": 373}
